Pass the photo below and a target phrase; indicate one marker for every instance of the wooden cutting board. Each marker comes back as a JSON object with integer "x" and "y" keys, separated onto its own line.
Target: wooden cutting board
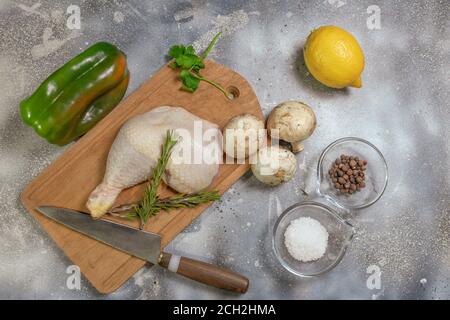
{"x": 68, "y": 181}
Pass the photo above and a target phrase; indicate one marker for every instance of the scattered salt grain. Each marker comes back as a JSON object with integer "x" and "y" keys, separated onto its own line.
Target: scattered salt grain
{"x": 306, "y": 239}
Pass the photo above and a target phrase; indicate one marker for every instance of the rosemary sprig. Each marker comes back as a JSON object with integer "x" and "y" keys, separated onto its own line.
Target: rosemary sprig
{"x": 151, "y": 204}
{"x": 174, "y": 202}
{"x": 146, "y": 208}
{"x": 187, "y": 200}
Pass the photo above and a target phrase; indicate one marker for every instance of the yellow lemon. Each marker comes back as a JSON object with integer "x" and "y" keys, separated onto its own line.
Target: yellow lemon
{"x": 334, "y": 57}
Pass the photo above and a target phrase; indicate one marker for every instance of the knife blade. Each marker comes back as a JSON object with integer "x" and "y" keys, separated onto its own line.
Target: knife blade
{"x": 146, "y": 246}
{"x": 142, "y": 244}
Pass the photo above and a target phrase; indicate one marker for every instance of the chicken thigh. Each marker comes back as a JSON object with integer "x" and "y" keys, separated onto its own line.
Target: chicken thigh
{"x": 193, "y": 164}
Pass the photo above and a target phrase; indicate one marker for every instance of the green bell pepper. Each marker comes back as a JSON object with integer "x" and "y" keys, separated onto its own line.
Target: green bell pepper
{"x": 78, "y": 95}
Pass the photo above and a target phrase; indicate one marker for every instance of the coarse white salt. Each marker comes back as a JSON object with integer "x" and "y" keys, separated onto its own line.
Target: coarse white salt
{"x": 306, "y": 239}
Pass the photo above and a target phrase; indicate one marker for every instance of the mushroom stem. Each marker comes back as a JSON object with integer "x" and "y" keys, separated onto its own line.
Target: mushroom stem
{"x": 297, "y": 146}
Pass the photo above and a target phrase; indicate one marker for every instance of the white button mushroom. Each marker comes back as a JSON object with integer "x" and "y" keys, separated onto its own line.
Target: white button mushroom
{"x": 242, "y": 136}
{"x": 293, "y": 122}
{"x": 274, "y": 165}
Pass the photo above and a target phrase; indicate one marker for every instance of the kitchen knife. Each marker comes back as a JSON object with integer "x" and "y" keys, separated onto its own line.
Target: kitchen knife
{"x": 146, "y": 246}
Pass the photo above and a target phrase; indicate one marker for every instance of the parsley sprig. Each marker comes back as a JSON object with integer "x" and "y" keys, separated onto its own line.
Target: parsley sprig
{"x": 190, "y": 64}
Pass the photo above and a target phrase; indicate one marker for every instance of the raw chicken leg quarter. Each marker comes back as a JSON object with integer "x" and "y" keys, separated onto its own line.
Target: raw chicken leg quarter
{"x": 134, "y": 153}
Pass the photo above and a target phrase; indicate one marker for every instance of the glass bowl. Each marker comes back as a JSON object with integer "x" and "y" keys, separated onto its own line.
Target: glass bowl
{"x": 376, "y": 173}
{"x": 340, "y": 234}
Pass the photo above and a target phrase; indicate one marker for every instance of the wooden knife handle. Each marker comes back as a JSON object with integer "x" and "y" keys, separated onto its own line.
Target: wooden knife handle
{"x": 204, "y": 272}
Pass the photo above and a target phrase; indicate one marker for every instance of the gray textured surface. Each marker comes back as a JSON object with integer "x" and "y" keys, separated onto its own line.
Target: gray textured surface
{"x": 402, "y": 109}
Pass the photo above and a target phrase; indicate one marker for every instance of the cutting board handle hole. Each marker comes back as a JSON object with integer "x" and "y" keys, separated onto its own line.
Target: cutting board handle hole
{"x": 233, "y": 92}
